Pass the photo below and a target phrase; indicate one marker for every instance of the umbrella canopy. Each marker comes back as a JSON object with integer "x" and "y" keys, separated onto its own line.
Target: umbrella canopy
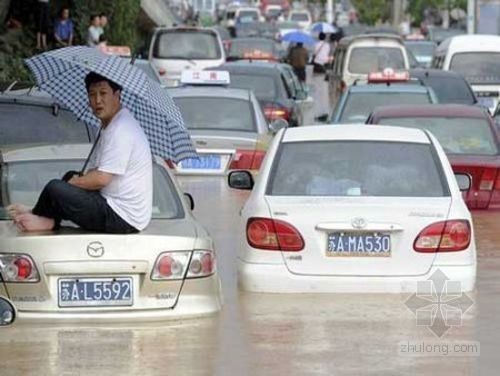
{"x": 323, "y": 27}
{"x": 298, "y": 37}
{"x": 61, "y": 73}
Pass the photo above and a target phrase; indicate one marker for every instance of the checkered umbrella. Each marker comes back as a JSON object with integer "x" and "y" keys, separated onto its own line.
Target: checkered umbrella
{"x": 61, "y": 73}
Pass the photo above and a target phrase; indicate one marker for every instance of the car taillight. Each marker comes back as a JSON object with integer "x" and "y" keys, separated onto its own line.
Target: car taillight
{"x": 170, "y": 164}
{"x": 18, "y": 268}
{"x": 276, "y": 112}
{"x": 445, "y": 236}
{"x": 162, "y": 72}
{"x": 202, "y": 264}
{"x": 488, "y": 179}
{"x": 247, "y": 159}
{"x": 343, "y": 86}
{"x": 273, "y": 235}
{"x": 170, "y": 266}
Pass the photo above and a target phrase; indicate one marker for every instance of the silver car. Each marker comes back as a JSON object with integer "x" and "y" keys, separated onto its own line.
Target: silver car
{"x": 227, "y": 126}
{"x": 166, "y": 271}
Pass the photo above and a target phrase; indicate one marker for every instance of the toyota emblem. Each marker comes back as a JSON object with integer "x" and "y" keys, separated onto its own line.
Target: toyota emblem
{"x": 358, "y": 223}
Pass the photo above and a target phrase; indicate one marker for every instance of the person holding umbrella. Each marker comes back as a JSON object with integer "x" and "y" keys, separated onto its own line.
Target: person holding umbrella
{"x": 298, "y": 58}
{"x": 115, "y": 194}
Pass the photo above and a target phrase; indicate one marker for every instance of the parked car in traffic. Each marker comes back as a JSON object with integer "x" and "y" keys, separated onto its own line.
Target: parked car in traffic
{"x": 255, "y": 49}
{"x": 337, "y": 209}
{"x": 469, "y": 138}
{"x": 166, "y": 271}
{"x": 423, "y": 51}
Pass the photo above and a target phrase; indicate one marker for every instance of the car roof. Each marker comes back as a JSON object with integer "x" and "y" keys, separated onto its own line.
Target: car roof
{"x": 426, "y": 72}
{"x": 210, "y": 91}
{"x": 253, "y": 39}
{"x": 432, "y": 110}
{"x": 243, "y": 66}
{"x": 355, "y": 133}
{"x": 355, "y": 38}
{"x": 392, "y": 88}
{"x": 471, "y": 42}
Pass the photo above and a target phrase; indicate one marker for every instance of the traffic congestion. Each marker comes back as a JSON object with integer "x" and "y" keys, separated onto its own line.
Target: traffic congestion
{"x": 317, "y": 197}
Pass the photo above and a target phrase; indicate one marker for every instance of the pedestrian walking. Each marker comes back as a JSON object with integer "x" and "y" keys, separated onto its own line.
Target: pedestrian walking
{"x": 94, "y": 31}
{"x": 63, "y": 29}
{"x": 43, "y": 21}
{"x": 298, "y": 58}
{"x": 321, "y": 58}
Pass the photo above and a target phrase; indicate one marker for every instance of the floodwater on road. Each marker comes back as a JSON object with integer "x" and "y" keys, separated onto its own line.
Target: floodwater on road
{"x": 264, "y": 334}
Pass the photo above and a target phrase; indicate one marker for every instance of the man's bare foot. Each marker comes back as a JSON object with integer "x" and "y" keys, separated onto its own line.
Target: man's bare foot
{"x": 15, "y": 210}
{"x": 31, "y": 222}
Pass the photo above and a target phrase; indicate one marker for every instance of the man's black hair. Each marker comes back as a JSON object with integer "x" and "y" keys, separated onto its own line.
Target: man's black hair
{"x": 322, "y": 36}
{"x": 103, "y": 14}
{"x": 93, "y": 78}
{"x": 93, "y": 16}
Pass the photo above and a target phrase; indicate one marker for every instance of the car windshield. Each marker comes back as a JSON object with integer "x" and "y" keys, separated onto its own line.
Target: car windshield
{"x": 187, "y": 45}
{"x": 365, "y": 60}
{"x": 299, "y": 17}
{"x": 28, "y": 124}
{"x": 22, "y": 182}
{"x": 356, "y": 168}
{"x": 359, "y": 105}
{"x": 232, "y": 114}
{"x": 264, "y": 87}
{"x": 248, "y": 16}
{"x": 421, "y": 48}
{"x": 456, "y": 135}
{"x": 451, "y": 89}
{"x": 477, "y": 67}
{"x": 241, "y": 47}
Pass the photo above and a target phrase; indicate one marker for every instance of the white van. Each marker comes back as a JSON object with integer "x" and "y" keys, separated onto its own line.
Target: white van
{"x": 302, "y": 16}
{"x": 174, "y": 50}
{"x": 357, "y": 56}
{"x": 477, "y": 58}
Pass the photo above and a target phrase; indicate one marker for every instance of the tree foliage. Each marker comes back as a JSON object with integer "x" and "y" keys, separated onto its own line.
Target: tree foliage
{"x": 371, "y": 11}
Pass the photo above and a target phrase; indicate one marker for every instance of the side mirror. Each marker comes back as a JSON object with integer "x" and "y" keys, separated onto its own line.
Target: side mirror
{"x": 464, "y": 181}
{"x": 7, "y": 312}
{"x": 278, "y": 124}
{"x": 189, "y": 200}
{"x": 240, "y": 180}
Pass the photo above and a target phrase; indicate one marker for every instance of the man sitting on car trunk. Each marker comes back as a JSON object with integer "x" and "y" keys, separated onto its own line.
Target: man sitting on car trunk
{"x": 115, "y": 195}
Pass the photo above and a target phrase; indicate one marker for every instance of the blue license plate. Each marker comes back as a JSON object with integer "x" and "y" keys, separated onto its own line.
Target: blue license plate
{"x": 486, "y": 101}
{"x": 95, "y": 292}
{"x": 204, "y": 162}
{"x": 348, "y": 244}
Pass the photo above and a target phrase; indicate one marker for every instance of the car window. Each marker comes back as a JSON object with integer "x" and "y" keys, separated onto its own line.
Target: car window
{"x": 356, "y": 168}
{"x": 245, "y": 16}
{"x": 421, "y": 49}
{"x": 231, "y": 114}
{"x": 364, "y": 60}
{"x": 239, "y": 48}
{"x": 359, "y": 105}
{"x": 27, "y": 124}
{"x": 292, "y": 80}
{"x": 22, "y": 182}
{"x": 477, "y": 67}
{"x": 457, "y": 135}
{"x": 451, "y": 90}
{"x": 186, "y": 45}
{"x": 264, "y": 87}
{"x": 299, "y": 17}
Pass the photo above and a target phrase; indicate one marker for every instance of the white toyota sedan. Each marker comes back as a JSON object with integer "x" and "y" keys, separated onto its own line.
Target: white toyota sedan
{"x": 166, "y": 271}
{"x": 351, "y": 209}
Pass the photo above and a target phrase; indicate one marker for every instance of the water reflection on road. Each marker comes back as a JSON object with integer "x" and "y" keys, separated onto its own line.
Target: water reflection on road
{"x": 262, "y": 334}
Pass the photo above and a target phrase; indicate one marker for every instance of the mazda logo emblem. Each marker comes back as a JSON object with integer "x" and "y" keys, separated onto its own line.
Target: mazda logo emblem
{"x": 358, "y": 223}
{"x": 95, "y": 249}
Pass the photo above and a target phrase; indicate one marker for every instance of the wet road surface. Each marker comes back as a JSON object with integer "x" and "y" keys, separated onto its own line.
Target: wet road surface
{"x": 264, "y": 334}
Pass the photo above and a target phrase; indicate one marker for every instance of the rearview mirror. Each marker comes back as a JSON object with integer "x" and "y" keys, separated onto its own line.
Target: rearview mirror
{"x": 240, "y": 180}
{"x": 464, "y": 181}
{"x": 189, "y": 200}
{"x": 7, "y": 312}
{"x": 278, "y": 124}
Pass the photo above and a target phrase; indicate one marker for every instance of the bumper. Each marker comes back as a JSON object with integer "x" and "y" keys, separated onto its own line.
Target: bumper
{"x": 275, "y": 278}
{"x": 199, "y": 297}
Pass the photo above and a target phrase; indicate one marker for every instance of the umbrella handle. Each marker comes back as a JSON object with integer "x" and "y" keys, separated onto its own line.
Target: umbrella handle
{"x": 91, "y": 152}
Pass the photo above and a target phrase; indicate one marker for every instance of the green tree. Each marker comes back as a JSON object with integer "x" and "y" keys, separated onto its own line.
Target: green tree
{"x": 416, "y": 7}
{"x": 371, "y": 11}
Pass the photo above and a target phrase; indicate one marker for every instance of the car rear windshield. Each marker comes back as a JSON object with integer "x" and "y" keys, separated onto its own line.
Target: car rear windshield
{"x": 192, "y": 45}
{"x": 364, "y": 60}
{"x": 451, "y": 89}
{"x": 357, "y": 168}
{"x": 248, "y": 16}
{"x": 263, "y": 86}
{"x": 217, "y": 113}
{"x": 456, "y": 135}
{"x": 239, "y": 48}
{"x": 29, "y": 124}
{"x": 359, "y": 105}
{"x": 421, "y": 49}
{"x": 477, "y": 67}
{"x": 299, "y": 17}
{"x": 22, "y": 182}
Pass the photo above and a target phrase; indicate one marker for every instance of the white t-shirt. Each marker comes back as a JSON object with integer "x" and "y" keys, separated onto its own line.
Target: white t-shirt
{"x": 321, "y": 52}
{"x": 123, "y": 150}
{"x": 94, "y": 32}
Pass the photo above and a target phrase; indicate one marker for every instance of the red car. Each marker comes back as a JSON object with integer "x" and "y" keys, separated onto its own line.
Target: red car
{"x": 468, "y": 136}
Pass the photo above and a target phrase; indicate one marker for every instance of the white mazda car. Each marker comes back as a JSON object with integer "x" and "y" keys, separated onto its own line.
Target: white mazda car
{"x": 351, "y": 209}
